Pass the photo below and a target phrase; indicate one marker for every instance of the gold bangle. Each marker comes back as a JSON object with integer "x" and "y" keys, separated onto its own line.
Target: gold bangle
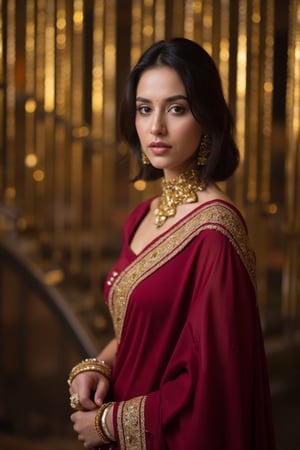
{"x": 98, "y": 424}
{"x": 88, "y": 364}
{"x": 104, "y": 426}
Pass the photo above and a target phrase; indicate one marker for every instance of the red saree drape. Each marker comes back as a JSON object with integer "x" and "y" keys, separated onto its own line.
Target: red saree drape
{"x": 190, "y": 370}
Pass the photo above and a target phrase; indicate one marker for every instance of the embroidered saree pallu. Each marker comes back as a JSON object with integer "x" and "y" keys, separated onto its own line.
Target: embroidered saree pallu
{"x": 190, "y": 367}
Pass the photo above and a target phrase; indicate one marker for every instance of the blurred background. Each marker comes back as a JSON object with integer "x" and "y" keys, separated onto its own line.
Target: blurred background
{"x": 64, "y": 189}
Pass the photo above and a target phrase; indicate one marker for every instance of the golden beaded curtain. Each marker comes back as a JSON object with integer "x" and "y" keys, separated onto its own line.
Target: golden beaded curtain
{"x": 291, "y": 279}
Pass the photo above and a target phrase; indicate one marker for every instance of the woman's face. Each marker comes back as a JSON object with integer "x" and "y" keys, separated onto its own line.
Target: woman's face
{"x": 168, "y": 132}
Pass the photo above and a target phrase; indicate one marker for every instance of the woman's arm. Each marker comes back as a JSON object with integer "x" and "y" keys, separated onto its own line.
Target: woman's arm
{"x": 109, "y": 352}
{"x": 88, "y": 384}
{"x": 92, "y": 386}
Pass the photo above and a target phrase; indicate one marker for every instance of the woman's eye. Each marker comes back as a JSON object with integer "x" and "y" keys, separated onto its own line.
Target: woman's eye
{"x": 143, "y": 109}
{"x": 177, "y": 109}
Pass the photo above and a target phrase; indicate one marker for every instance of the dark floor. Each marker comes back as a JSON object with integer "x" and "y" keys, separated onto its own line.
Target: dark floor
{"x": 284, "y": 367}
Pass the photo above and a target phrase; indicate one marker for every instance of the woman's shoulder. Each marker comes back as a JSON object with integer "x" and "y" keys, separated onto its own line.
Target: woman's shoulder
{"x": 214, "y": 193}
{"x": 216, "y": 199}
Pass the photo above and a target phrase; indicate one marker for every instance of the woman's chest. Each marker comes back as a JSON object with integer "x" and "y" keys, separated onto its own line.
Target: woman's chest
{"x": 147, "y": 231}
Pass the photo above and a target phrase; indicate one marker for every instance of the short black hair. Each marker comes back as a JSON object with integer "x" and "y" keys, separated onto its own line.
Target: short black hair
{"x": 203, "y": 86}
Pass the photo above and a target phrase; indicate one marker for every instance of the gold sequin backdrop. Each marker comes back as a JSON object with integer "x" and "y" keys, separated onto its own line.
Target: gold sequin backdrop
{"x": 63, "y": 168}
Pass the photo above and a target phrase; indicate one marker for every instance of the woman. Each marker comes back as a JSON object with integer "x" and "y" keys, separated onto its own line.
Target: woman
{"x": 188, "y": 364}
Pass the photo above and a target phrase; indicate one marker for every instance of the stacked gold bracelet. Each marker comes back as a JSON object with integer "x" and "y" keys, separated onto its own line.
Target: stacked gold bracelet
{"x": 93, "y": 364}
{"x": 101, "y": 426}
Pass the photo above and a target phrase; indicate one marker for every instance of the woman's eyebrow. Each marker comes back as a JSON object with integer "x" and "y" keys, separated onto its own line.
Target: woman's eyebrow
{"x": 172, "y": 98}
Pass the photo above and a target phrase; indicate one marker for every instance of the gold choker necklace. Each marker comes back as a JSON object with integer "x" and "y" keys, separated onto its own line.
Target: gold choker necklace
{"x": 177, "y": 191}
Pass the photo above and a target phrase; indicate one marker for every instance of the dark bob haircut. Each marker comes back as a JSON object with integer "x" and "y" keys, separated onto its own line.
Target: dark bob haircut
{"x": 203, "y": 87}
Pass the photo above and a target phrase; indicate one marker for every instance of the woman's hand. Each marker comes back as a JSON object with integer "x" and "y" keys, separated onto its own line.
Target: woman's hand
{"x": 83, "y": 424}
{"x": 91, "y": 388}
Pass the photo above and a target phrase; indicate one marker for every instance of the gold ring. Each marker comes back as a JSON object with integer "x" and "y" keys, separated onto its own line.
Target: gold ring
{"x": 74, "y": 401}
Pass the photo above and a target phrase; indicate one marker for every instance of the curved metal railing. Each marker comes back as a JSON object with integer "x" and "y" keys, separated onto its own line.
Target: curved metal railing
{"x": 41, "y": 338}
{"x": 33, "y": 276}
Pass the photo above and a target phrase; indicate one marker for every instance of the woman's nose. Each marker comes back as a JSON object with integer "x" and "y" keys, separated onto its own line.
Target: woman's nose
{"x": 158, "y": 126}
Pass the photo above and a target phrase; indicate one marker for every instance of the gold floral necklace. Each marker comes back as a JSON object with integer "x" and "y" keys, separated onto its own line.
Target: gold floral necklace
{"x": 177, "y": 191}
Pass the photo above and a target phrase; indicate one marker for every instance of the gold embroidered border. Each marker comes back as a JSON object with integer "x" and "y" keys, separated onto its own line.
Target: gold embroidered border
{"x": 131, "y": 424}
{"x": 213, "y": 216}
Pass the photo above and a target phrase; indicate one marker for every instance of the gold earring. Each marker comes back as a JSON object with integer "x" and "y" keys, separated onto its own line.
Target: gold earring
{"x": 145, "y": 159}
{"x": 204, "y": 150}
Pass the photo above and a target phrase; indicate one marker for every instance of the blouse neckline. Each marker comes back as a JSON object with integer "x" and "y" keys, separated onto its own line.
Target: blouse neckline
{"x": 145, "y": 207}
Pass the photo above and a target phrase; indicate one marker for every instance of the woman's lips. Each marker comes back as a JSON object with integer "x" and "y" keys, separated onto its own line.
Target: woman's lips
{"x": 158, "y": 148}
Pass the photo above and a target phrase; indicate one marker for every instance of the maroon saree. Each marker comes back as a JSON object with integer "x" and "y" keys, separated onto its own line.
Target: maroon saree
{"x": 190, "y": 369}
